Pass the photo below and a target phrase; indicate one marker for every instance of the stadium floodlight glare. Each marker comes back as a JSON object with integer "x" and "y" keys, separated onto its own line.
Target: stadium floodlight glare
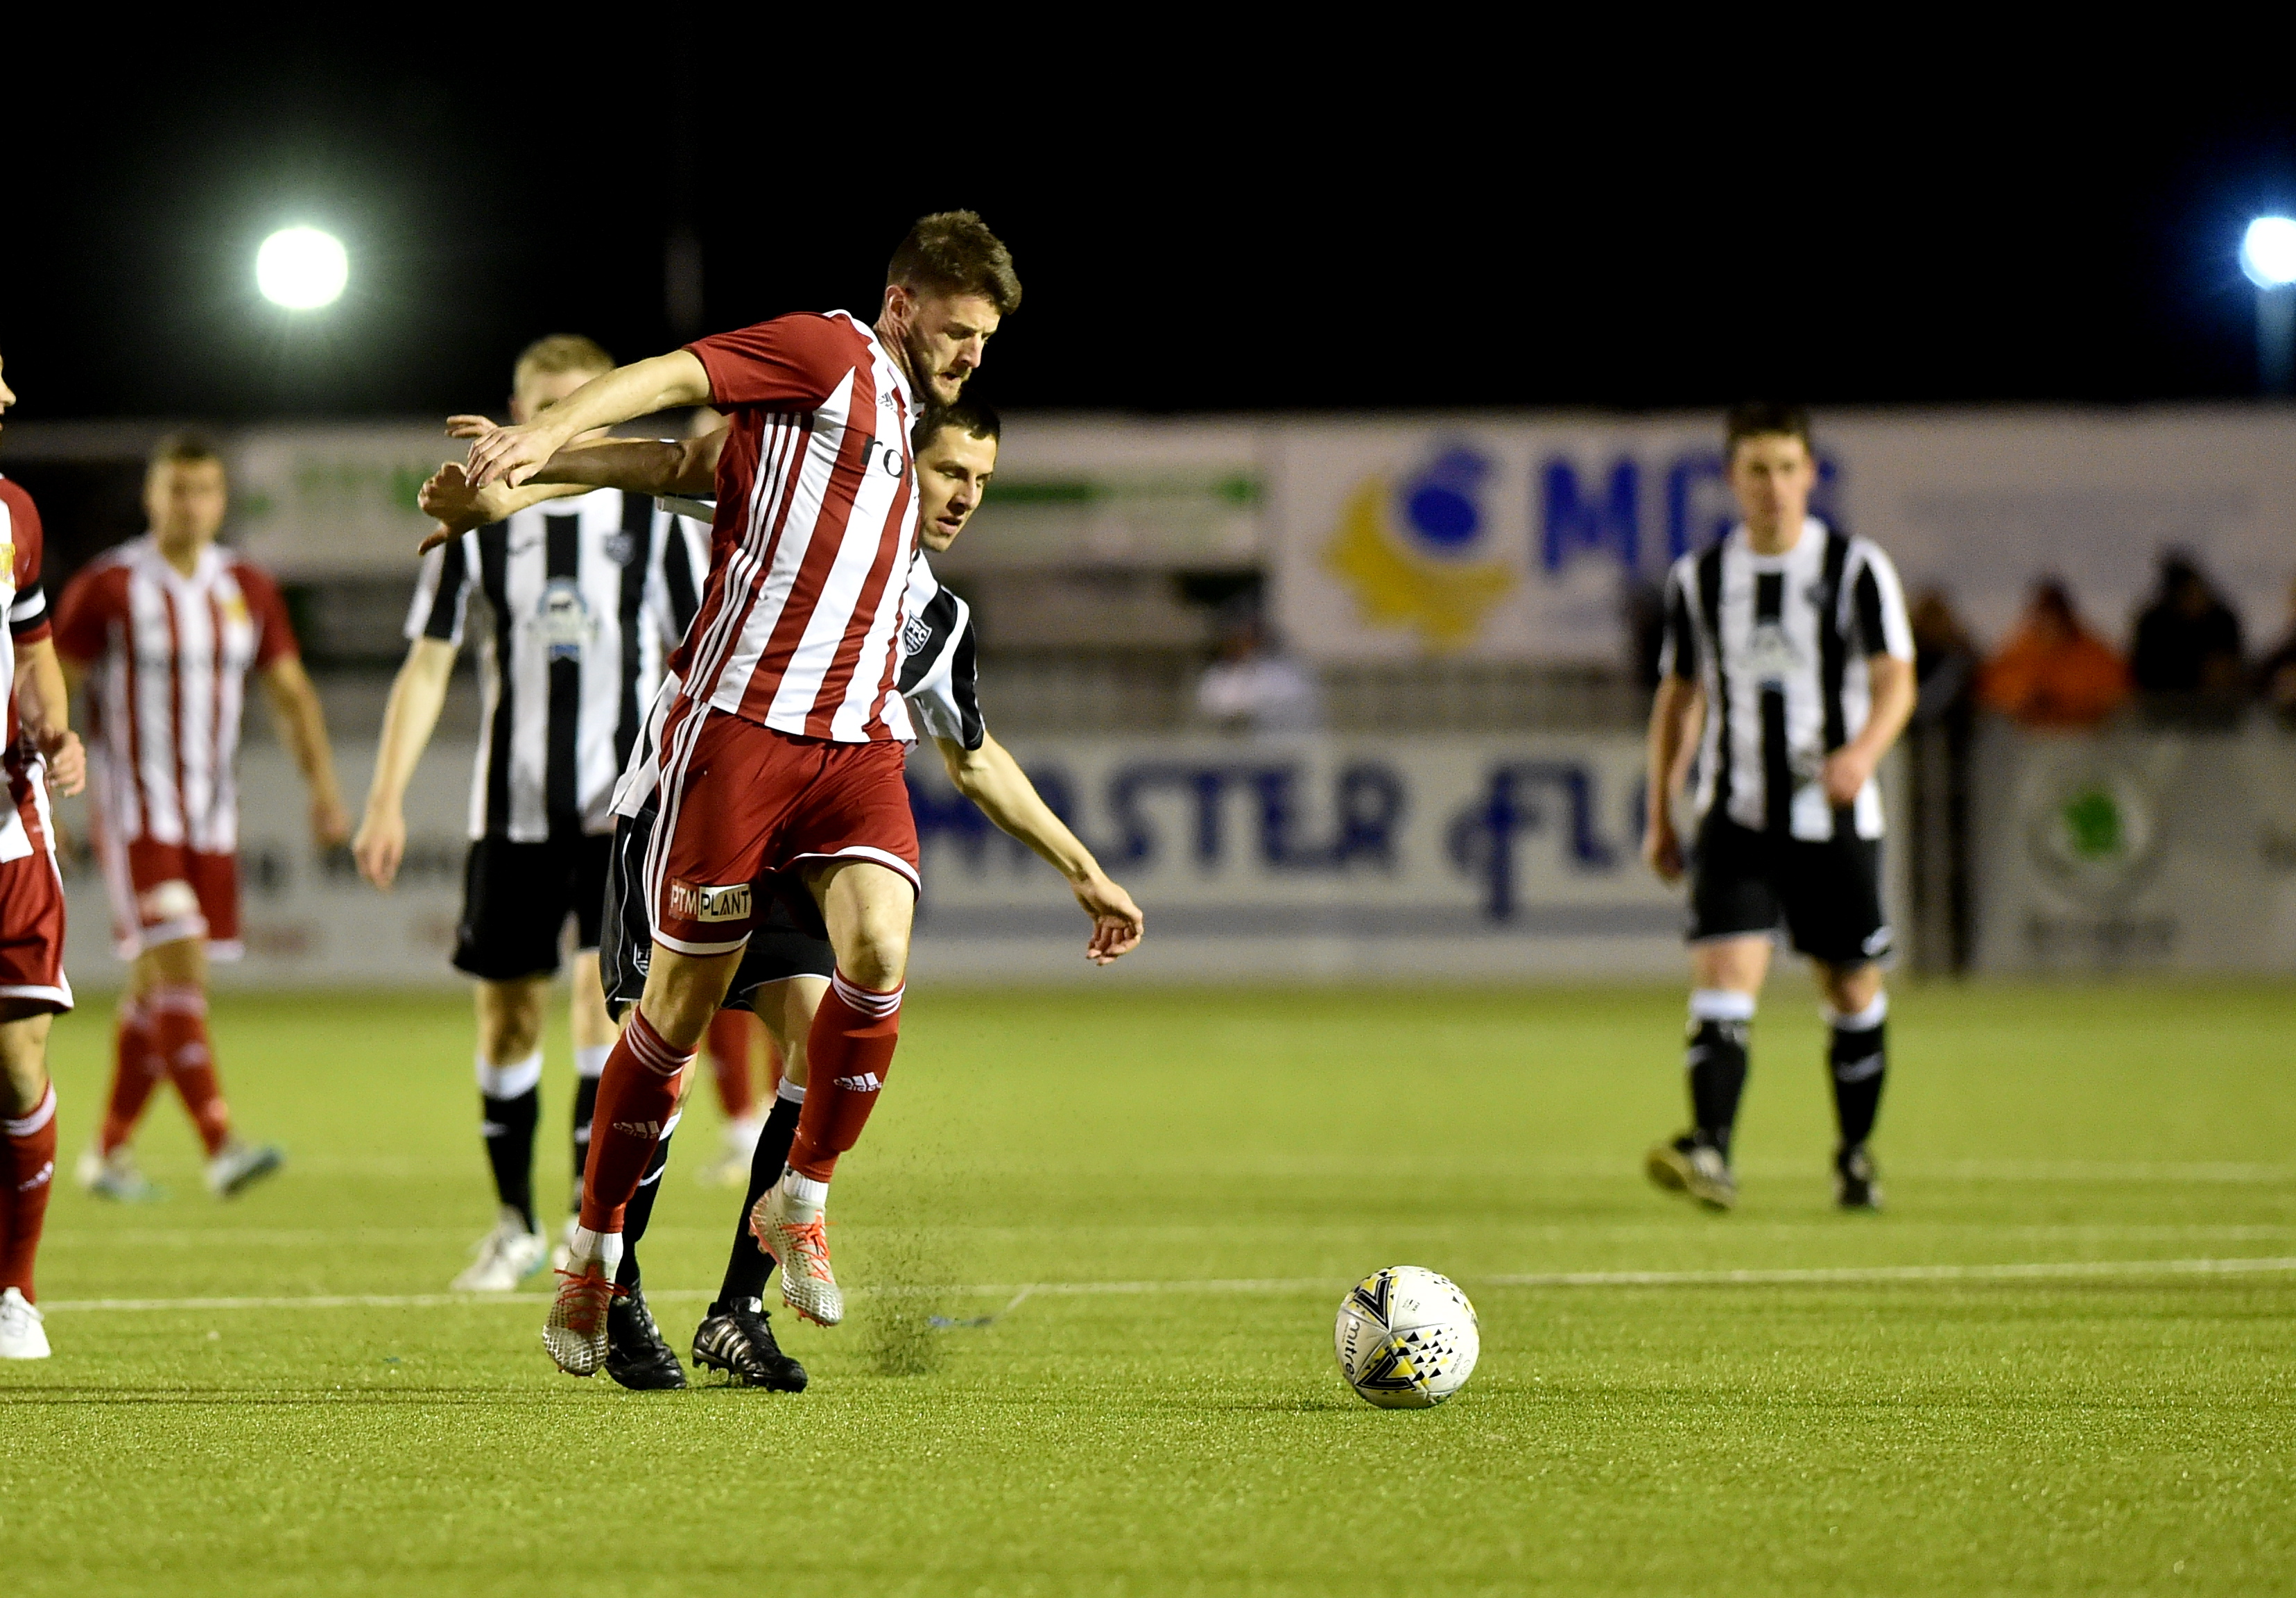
{"x": 2267, "y": 252}
{"x": 301, "y": 268}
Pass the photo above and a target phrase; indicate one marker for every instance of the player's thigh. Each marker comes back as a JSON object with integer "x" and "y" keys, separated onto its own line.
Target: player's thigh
{"x": 510, "y": 1011}
{"x": 868, "y": 909}
{"x": 177, "y": 963}
{"x": 154, "y": 898}
{"x": 1738, "y": 964}
{"x": 1831, "y": 892}
{"x": 23, "y": 1055}
{"x": 683, "y": 992}
{"x": 514, "y": 908}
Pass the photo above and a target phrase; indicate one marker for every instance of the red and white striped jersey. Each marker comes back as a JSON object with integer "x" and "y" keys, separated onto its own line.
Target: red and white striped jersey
{"x": 167, "y": 657}
{"x": 800, "y": 620}
{"x": 21, "y": 545}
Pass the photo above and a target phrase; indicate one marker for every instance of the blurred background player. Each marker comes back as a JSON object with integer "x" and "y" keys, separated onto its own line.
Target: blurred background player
{"x": 787, "y": 965}
{"x": 784, "y": 749}
{"x": 163, "y": 629}
{"x": 1788, "y": 670}
{"x": 41, "y": 750}
{"x": 586, "y": 600}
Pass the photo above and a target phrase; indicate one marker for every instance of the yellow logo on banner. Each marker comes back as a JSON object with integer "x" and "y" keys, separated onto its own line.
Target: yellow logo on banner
{"x": 1417, "y": 568}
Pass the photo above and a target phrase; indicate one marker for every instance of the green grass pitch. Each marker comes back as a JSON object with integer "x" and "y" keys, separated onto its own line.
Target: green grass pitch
{"x": 1923, "y": 1423}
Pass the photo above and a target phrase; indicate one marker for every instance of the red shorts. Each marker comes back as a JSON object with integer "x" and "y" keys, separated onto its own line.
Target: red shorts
{"x": 164, "y": 892}
{"x": 741, "y": 802}
{"x": 31, "y": 901}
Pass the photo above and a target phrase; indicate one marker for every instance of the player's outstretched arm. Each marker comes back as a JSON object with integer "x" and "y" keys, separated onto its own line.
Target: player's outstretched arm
{"x": 302, "y": 724}
{"x": 993, "y": 780}
{"x": 1675, "y": 713}
{"x": 461, "y": 508}
{"x": 42, "y": 706}
{"x": 512, "y": 455}
{"x": 409, "y": 717}
{"x": 1894, "y": 690}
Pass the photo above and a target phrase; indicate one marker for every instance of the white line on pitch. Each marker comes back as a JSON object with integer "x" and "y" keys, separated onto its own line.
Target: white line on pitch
{"x": 2061, "y": 1269}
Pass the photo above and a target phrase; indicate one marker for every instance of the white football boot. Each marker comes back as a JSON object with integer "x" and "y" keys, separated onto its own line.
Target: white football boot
{"x": 242, "y": 1164}
{"x": 21, "y": 1335}
{"x": 506, "y": 1256}
{"x": 114, "y": 1176}
{"x": 575, "y": 1334}
{"x": 788, "y": 1227}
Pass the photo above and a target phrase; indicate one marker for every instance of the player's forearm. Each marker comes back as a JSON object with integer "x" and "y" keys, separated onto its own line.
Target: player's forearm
{"x": 662, "y": 383}
{"x": 993, "y": 780}
{"x": 43, "y": 700}
{"x": 635, "y": 465}
{"x": 1673, "y": 711}
{"x": 305, "y": 722}
{"x": 409, "y": 716}
{"x": 1893, "y": 699}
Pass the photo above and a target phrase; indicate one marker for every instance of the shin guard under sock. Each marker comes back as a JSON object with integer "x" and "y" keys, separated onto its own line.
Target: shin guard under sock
{"x": 847, "y": 1053}
{"x": 28, "y": 1168}
{"x": 1716, "y": 1061}
{"x": 638, "y": 1092}
{"x": 638, "y": 1214}
{"x": 749, "y": 1267}
{"x": 179, "y": 1037}
{"x": 1857, "y": 1059}
{"x": 509, "y": 1103}
{"x": 136, "y": 1070}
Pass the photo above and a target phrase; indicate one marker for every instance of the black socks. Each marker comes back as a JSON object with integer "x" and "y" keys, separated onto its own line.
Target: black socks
{"x": 510, "y": 1104}
{"x": 1857, "y": 1059}
{"x": 1716, "y": 1061}
{"x": 749, "y": 1267}
{"x": 639, "y": 1211}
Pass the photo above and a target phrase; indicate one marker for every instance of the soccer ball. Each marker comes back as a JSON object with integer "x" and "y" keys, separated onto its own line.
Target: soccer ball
{"x": 1407, "y": 1338}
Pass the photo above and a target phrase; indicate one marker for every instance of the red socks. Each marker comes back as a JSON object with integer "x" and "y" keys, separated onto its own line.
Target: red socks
{"x": 137, "y": 1069}
{"x": 730, "y": 1047}
{"x": 179, "y": 1037}
{"x": 638, "y": 1092}
{"x": 847, "y": 1053}
{"x": 30, "y": 1169}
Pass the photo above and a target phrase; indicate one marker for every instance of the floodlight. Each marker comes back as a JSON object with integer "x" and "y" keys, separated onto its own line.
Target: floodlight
{"x": 302, "y": 268}
{"x": 2267, "y": 252}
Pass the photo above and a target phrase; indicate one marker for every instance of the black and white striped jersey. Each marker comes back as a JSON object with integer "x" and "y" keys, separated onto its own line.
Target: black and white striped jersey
{"x": 1780, "y": 643}
{"x": 940, "y": 661}
{"x": 588, "y": 596}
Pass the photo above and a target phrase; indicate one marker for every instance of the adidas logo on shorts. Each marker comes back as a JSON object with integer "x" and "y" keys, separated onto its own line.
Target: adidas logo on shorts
{"x": 695, "y": 901}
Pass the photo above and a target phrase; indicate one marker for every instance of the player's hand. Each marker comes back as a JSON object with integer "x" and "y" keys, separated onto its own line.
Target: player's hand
{"x": 330, "y": 823}
{"x": 458, "y": 507}
{"x": 471, "y": 426}
{"x": 67, "y": 761}
{"x": 511, "y": 454}
{"x": 1117, "y": 923}
{"x": 1847, "y": 772}
{"x": 378, "y": 848}
{"x": 1662, "y": 850}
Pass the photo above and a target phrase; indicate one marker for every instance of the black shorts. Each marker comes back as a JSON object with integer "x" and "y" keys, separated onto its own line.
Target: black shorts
{"x": 788, "y": 940}
{"x": 1828, "y": 893}
{"x": 516, "y": 897}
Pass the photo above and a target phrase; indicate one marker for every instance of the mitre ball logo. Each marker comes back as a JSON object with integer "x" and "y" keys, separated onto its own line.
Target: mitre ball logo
{"x": 1417, "y": 553}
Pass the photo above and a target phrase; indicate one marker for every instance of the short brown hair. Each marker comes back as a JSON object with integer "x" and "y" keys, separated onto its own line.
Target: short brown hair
{"x": 968, "y": 416}
{"x": 954, "y": 252}
{"x": 560, "y": 352}
{"x": 1756, "y": 418}
{"x": 188, "y": 449}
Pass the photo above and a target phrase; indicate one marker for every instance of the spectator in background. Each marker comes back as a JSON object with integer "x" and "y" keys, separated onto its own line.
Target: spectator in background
{"x": 2187, "y": 659}
{"x": 2276, "y": 674}
{"x": 2054, "y": 672}
{"x": 1252, "y": 686}
{"x": 1945, "y": 661}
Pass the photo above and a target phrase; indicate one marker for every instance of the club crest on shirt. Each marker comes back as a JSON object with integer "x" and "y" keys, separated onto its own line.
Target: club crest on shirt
{"x": 915, "y": 634}
{"x": 233, "y": 606}
{"x": 1770, "y": 655}
{"x": 564, "y": 619}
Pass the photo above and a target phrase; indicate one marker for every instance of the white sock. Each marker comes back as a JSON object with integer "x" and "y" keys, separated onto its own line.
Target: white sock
{"x": 793, "y": 1092}
{"x": 592, "y": 1063}
{"x": 604, "y": 1247}
{"x": 806, "y": 1196}
{"x": 1720, "y": 1004}
{"x": 511, "y": 1079}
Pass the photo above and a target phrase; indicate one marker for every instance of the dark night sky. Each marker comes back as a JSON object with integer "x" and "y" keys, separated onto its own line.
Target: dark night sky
{"x": 1634, "y": 248}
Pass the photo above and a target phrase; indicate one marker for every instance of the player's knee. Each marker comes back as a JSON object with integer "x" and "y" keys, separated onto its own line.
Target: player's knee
{"x": 877, "y": 954}
{"x": 510, "y": 1020}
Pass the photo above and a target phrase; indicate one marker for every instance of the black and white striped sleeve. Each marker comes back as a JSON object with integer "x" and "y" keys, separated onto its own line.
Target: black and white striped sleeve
{"x": 29, "y": 612}
{"x": 1677, "y": 649}
{"x": 442, "y": 592}
{"x": 1878, "y": 604}
{"x": 679, "y": 564}
{"x": 940, "y": 668}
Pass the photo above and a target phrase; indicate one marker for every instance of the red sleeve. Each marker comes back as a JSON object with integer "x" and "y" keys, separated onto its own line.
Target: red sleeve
{"x": 28, "y": 617}
{"x": 790, "y": 364}
{"x": 275, "y": 635}
{"x": 81, "y": 615}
